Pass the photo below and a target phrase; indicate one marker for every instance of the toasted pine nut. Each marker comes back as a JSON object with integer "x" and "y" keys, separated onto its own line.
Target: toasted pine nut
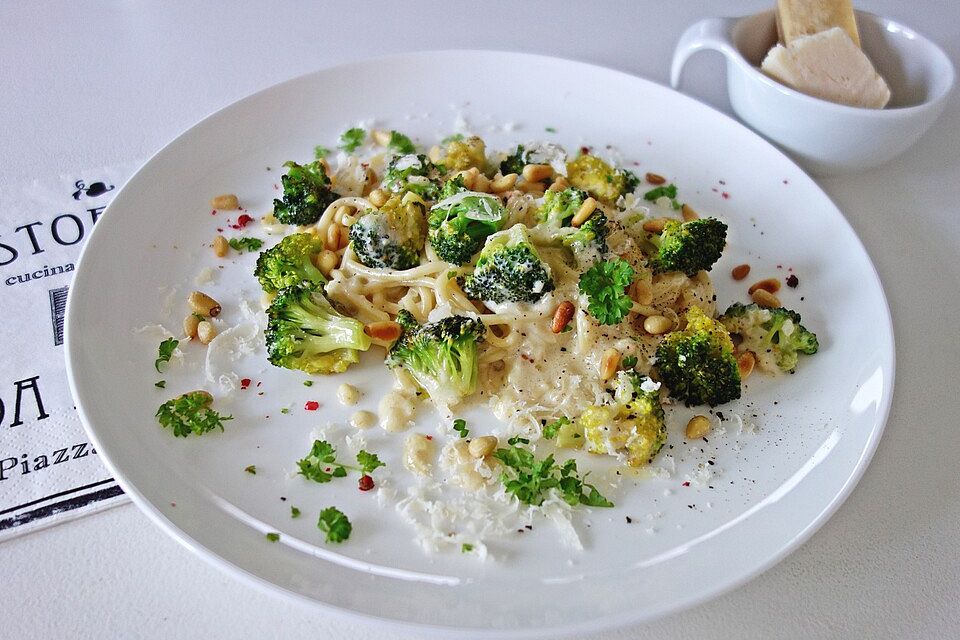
{"x": 483, "y": 446}
{"x": 204, "y": 305}
{"x": 655, "y": 178}
{"x": 503, "y": 183}
{"x": 342, "y": 210}
{"x": 642, "y": 292}
{"x": 208, "y": 398}
{"x": 698, "y": 427}
{"x": 482, "y": 184}
{"x": 609, "y": 363}
{"x": 386, "y": 330}
{"x": 435, "y": 154}
{"x": 657, "y": 325}
{"x": 332, "y": 241}
{"x": 220, "y": 246}
{"x": 745, "y": 363}
{"x": 533, "y": 188}
{"x": 327, "y": 261}
{"x": 559, "y": 184}
{"x": 537, "y": 172}
{"x": 688, "y": 213}
{"x": 654, "y": 225}
{"x": 585, "y": 211}
{"x": 766, "y": 299}
{"x": 562, "y": 316}
{"x": 225, "y": 202}
{"x": 381, "y": 137}
{"x": 740, "y": 271}
{"x": 767, "y": 284}
{"x": 206, "y": 332}
{"x": 378, "y": 197}
{"x": 190, "y": 325}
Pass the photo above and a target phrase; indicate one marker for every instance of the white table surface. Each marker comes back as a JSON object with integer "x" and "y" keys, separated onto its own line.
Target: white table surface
{"x": 84, "y": 84}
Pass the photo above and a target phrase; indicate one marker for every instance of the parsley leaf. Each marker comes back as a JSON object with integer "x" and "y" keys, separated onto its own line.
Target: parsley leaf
{"x": 245, "y": 244}
{"x": 164, "y": 351}
{"x": 252, "y": 469}
{"x": 552, "y": 430}
{"x": 162, "y": 384}
{"x": 335, "y": 524}
{"x": 604, "y": 284}
{"x": 190, "y": 413}
{"x": 550, "y": 129}
{"x": 517, "y": 439}
{"x": 460, "y": 426}
{"x": 531, "y": 479}
{"x": 352, "y": 138}
{"x": 629, "y": 362}
{"x": 456, "y": 137}
{"x": 401, "y": 143}
{"x": 308, "y": 383}
{"x": 466, "y": 547}
{"x": 320, "y": 151}
{"x": 321, "y": 465}
{"x": 294, "y": 512}
{"x": 368, "y": 462}
{"x": 273, "y": 536}
{"x": 663, "y": 191}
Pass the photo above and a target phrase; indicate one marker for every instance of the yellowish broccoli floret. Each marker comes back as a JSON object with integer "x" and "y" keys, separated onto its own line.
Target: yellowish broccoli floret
{"x": 634, "y": 427}
{"x": 596, "y": 177}
{"x": 466, "y": 153}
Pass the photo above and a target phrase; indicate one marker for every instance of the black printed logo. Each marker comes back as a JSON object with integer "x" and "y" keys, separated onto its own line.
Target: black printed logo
{"x": 94, "y": 190}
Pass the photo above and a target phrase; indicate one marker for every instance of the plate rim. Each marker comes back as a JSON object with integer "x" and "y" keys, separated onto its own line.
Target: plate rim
{"x": 591, "y": 625}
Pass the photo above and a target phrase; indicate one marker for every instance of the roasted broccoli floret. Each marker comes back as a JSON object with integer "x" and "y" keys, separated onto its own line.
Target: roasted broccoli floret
{"x": 688, "y": 246}
{"x": 462, "y": 220}
{"x": 290, "y": 262}
{"x": 305, "y": 332}
{"x": 509, "y": 269}
{"x": 515, "y": 162}
{"x": 560, "y": 206}
{"x": 697, "y": 364}
{"x": 596, "y": 177}
{"x": 466, "y": 153}
{"x": 633, "y": 426}
{"x": 775, "y": 335}
{"x": 412, "y": 173}
{"x": 589, "y": 242}
{"x": 392, "y": 236}
{"x": 306, "y": 194}
{"x": 441, "y": 355}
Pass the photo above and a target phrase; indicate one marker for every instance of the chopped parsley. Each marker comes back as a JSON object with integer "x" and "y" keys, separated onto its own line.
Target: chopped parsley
{"x": 190, "y": 413}
{"x": 466, "y": 547}
{"x": 308, "y": 383}
{"x": 285, "y": 410}
{"x": 663, "y": 191}
{"x": 320, "y": 151}
{"x": 368, "y": 462}
{"x": 352, "y": 138}
{"x": 401, "y": 143}
{"x": 605, "y": 285}
{"x": 460, "y": 426}
{"x": 630, "y": 181}
{"x": 321, "y": 464}
{"x": 294, "y": 512}
{"x": 245, "y": 244}
{"x": 456, "y": 137}
{"x": 550, "y": 129}
{"x": 252, "y": 469}
{"x": 552, "y": 430}
{"x": 531, "y": 479}
{"x": 164, "y": 352}
{"x": 162, "y": 384}
{"x": 518, "y": 440}
{"x": 273, "y": 536}
{"x": 629, "y": 362}
{"x": 335, "y": 524}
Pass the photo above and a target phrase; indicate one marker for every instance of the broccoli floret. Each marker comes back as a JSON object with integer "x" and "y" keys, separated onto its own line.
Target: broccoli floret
{"x": 634, "y": 426}
{"x": 589, "y": 242}
{"x": 462, "y": 220}
{"x": 597, "y": 178}
{"x": 305, "y": 332}
{"x": 771, "y": 334}
{"x": 441, "y": 355}
{"x": 697, "y": 364}
{"x": 306, "y": 194}
{"x": 688, "y": 246}
{"x": 392, "y": 236}
{"x": 509, "y": 269}
{"x": 412, "y": 173}
{"x": 290, "y": 262}
{"x": 466, "y": 153}
{"x": 560, "y": 206}
{"x": 514, "y": 163}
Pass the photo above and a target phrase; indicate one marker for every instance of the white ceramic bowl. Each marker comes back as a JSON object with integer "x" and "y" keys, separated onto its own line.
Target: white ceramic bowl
{"x": 825, "y": 137}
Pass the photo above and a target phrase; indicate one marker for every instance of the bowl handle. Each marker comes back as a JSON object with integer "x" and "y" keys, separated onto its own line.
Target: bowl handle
{"x": 711, "y": 33}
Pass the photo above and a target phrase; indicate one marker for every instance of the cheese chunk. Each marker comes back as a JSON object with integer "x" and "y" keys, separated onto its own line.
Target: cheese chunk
{"x": 798, "y": 18}
{"x": 829, "y": 66}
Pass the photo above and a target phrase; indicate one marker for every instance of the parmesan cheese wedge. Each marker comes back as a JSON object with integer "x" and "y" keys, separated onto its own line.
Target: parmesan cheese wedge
{"x": 830, "y": 66}
{"x": 798, "y": 18}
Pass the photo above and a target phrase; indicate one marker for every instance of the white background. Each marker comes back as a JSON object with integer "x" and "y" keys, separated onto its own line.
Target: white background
{"x": 86, "y": 84}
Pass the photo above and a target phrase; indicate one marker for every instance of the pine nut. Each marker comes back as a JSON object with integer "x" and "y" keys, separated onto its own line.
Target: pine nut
{"x": 642, "y": 292}
{"x": 503, "y": 183}
{"x": 225, "y": 202}
{"x": 533, "y": 188}
{"x": 688, "y": 213}
{"x": 190, "y": 325}
{"x": 387, "y": 330}
{"x": 562, "y": 316}
{"x": 341, "y": 212}
{"x": 559, "y": 184}
{"x": 740, "y": 271}
{"x": 332, "y": 240}
{"x": 655, "y": 178}
{"x": 609, "y": 363}
{"x": 378, "y": 197}
{"x": 381, "y": 137}
{"x": 655, "y": 225}
{"x": 745, "y": 363}
{"x": 767, "y": 284}
{"x": 435, "y": 154}
{"x": 206, "y": 332}
{"x": 483, "y": 446}
{"x": 482, "y": 184}
{"x": 764, "y": 298}
{"x": 204, "y": 305}
{"x": 698, "y": 427}
{"x": 220, "y": 246}
{"x": 657, "y": 325}
{"x": 537, "y": 172}
{"x": 327, "y": 261}
{"x": 585, "y": 211}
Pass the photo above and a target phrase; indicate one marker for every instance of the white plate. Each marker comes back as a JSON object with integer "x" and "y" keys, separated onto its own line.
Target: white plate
{"x": 771, "y": 490}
